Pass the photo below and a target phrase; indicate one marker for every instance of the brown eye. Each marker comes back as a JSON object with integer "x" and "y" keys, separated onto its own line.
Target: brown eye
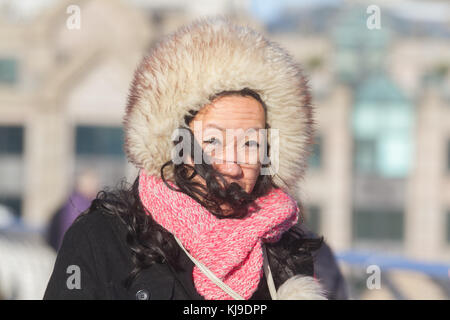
{"x": 252, "y": 143}
{"x": 212, "y": 141}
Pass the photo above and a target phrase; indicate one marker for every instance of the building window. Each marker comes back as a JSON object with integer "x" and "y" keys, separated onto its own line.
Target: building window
{"x": 378, "y": 225}
{"x": 8, "y": 71}
{"x": 12, "y": 204}
{"x": 94, "y": 140}
{"x": 364, "y": 155}
{"x": 315, "y": 160}
{"x": 11, "y": 140}
{"x": 100, "y": 149}
{"x": 11, "y": 168}
{"x": 313, "y": 220}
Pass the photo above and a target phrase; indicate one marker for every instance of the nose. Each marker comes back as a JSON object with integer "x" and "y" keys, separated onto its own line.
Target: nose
{"x": 228, "y": 165}
{"x": 230, "y": 169}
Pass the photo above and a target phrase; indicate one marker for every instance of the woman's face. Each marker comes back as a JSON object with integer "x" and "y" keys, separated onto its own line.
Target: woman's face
{"x": 228, "y": 130}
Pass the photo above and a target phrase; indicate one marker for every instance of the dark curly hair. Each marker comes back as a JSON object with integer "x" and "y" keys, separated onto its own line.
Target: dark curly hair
{"x": 150, "y": 243}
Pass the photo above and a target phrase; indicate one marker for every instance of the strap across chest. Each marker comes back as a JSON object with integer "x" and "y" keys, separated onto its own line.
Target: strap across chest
{"x": 224, "y": 286}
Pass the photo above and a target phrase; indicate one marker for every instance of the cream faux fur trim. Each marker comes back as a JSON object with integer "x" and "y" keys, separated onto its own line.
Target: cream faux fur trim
{"x": 201, "y": 59}
{"x": 301, "y": 288}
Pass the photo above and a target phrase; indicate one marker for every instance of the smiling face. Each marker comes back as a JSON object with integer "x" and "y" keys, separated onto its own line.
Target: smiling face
{"x": 228, "y": 132}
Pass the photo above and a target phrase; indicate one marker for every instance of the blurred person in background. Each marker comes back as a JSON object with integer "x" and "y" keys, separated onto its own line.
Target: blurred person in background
{"x": 157, "y": 238}
{"x": 86, "y": 188}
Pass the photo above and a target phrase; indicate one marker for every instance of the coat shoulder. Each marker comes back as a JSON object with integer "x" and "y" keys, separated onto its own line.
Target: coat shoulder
{"x": 94, "y": 254}
{"x": 96, "y": 220}
{"x": 97, "y": 244}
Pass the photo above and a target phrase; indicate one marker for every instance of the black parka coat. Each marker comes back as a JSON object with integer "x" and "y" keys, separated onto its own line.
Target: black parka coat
{"x": 94, "y": 260}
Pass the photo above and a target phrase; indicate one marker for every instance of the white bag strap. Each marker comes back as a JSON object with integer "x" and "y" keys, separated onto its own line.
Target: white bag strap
{"x": 223, "y": 285}
{"x": 270, "y": 283}
{"x": 211, "y": 275}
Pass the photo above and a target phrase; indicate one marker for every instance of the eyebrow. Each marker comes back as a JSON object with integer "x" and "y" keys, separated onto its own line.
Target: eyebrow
{"x": 213, "y": 125}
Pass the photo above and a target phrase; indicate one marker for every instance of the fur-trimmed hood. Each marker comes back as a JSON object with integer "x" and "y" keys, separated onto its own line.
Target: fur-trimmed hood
{"x": 191, "y": 65}
{"x": 204, "y": 58}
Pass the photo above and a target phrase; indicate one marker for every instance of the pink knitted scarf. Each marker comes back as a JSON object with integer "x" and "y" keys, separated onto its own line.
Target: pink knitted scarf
{"x": 230, "y": 248}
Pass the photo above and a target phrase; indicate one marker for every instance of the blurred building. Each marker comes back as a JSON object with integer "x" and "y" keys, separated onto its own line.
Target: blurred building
{"x": 62, "y": 99}
{"x": 63, "y": 94}
{"x": 379, "y": 176}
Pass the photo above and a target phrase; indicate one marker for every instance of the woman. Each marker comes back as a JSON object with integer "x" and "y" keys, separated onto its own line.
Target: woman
{"x": 219, "y": 123}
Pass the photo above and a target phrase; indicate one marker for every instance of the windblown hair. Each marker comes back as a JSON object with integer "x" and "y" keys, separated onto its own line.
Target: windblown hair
{"x": 212, "y": 195}
{"x": 150, "y": 243}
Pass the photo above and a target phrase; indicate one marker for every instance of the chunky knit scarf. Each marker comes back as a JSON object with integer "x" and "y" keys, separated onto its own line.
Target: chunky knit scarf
{"x": 230, "y": 248}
